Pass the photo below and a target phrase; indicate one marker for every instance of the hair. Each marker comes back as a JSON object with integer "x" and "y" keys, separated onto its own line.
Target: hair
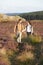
{"x": 30, "y": 22}
{"x": 18, "y": 21}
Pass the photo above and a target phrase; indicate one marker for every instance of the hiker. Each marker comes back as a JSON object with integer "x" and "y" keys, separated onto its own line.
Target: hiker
{"x": 19, "y": 31}
{"x": 28, "y": 29}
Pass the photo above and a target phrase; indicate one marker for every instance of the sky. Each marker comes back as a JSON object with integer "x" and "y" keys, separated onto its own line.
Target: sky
{"x": 20, "y": 6}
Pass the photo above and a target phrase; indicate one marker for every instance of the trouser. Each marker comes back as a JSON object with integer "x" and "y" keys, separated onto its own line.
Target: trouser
{"x": 28, "y": 33}
{"x": 19, "y": 37}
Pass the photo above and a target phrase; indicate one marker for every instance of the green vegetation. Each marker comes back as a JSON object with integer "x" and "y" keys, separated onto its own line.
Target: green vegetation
{"x": 23, "y": 58}
{"x": 27, "y": 53}
{"x": 30, "y": 57}
{"x": 32, "y": 15}
{"x": 33, "y": 39}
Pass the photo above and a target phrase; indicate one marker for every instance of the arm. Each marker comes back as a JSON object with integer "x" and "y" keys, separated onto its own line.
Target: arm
{"x": 32, "y": 30}
{"x": 24, "y": 30}
{"x": 14, "y": 29}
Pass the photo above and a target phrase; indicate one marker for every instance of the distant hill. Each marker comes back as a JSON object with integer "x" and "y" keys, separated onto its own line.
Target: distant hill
{"x": 33, "y": 15}
{"x": 12, "y": 14}
{"x": 29, "y": 16}
{"x": 29, "y": 13}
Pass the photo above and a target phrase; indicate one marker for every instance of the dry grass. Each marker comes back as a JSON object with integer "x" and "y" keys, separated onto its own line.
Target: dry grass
{"x": 4, "y": 61}
{"x": 6, "y": 18}
{"x": 36, "y": 21}
{"x": 35, "y": 38}
{"x": 3, "y": 51}
{"x": 25, "y": 55}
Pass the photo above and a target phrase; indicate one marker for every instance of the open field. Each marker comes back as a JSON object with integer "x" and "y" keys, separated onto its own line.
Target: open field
{"x": 30, "y": 52}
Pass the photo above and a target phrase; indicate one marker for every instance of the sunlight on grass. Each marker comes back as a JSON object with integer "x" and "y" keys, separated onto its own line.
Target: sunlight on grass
{"x": 3, "y": 51}
{"x": 26, "y": 55}
{"x": 35, "y": 39}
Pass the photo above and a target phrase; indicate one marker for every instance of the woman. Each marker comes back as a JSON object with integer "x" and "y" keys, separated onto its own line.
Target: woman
{"x": 28, "y": 29}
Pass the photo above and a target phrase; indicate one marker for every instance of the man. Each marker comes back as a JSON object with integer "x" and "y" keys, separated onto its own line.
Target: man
{"x": 19, "y": 30}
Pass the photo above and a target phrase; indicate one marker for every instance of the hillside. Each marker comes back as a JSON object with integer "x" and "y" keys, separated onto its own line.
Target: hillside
{"x": 33, "y": 15}
{"x": 12, "y": 14}
{"x": 29, "y": 52}
{"x": 29, "y": 15}
{"x": 6, "y": 18}
{"x": 26, "y": 53}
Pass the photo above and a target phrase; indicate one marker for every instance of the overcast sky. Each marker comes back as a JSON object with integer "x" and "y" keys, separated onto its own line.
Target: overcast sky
{"x": 20, "y": 6}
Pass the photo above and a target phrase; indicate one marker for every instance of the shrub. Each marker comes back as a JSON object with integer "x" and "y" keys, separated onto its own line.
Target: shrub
{"x": 33, "y": 39}
{"x": 41, "y": 61}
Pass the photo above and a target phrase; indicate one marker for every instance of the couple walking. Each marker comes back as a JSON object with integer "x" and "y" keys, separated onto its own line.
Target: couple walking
{"x": 28, "y": 29}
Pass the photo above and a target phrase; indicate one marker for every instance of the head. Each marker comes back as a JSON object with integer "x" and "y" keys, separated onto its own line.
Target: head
{"x": 19, "y": 21}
